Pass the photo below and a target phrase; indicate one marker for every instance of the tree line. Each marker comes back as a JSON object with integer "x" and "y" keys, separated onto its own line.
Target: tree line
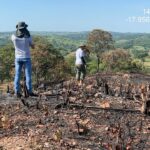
{"x": 49, "y": 63}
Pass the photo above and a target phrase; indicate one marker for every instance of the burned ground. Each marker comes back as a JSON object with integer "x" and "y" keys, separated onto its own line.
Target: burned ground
{"x": 103, "y": 114}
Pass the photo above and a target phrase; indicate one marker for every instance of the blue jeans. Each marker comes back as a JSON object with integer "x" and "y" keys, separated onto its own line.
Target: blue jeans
{"x": 19, "y": 63}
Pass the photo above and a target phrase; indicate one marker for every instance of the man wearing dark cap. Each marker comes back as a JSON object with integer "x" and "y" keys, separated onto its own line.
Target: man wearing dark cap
{"x": 22, "y": 41}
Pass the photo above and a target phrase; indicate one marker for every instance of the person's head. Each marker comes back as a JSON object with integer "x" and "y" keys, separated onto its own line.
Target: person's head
{"x": 22, "y": 30}
{"x": 21, "y": 25}
{"x": 82, "y": 47}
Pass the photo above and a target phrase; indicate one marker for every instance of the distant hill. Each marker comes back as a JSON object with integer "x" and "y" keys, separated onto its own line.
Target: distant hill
{"x": 129, "y": 40}
{"x": 69, "y": 41}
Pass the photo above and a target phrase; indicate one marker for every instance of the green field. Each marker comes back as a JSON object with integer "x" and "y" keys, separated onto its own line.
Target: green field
{"x": 147, "y": 65}
{"x": 147, "y": 62}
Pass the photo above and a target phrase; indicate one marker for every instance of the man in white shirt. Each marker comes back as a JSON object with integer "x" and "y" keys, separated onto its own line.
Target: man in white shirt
{"x": 80, "y": 64}
{"x": 22, "y": 42}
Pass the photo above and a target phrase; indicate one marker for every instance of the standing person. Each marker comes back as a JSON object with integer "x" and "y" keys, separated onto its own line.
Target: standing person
{"x": 80, "y": 64}
{"x": 22, "y": 41}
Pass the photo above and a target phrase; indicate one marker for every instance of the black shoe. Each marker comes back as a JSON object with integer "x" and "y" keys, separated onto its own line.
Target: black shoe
{"x": 33, "y": 94}
{"x": 18, "y": 95}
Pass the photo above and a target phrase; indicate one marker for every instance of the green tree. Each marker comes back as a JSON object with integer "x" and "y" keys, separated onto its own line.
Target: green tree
{"x": 138, "y": 52}
{"x": 70, "y": 60}
{"x": 47, "y": 62}
{"x": 6, "y": 61}
{"x": 120, "y": 60}
{"x": 98, "y": 42}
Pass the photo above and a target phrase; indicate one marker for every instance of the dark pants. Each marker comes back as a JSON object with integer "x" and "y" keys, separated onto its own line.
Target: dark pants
{"x": 80, "y": 72}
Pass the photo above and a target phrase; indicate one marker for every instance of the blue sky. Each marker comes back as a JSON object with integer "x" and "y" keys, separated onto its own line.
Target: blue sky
{"x": 75, "y": 15}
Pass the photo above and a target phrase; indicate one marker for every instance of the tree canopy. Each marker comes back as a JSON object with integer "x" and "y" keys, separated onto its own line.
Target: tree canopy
{"x": 99, "y": 41}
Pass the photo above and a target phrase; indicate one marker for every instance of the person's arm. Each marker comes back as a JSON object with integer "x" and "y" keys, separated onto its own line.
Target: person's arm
{"x": 82, "y": 55}
{"x": 31, "y": 43}
{"x": 32, "y": 46}
{"x": 83, "y": 60}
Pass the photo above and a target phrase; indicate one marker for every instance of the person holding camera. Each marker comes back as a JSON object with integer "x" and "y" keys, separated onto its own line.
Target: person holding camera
{"x": 22, "y": 41}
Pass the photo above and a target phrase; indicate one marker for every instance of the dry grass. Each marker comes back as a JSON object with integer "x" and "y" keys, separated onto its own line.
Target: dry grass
{"x": 3, "y": 87}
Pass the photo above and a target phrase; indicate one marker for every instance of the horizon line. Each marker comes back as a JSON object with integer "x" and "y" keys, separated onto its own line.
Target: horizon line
{"x": 80, "y": 31}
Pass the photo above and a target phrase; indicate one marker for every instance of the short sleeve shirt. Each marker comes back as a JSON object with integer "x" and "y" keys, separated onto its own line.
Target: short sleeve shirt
{"x": 22, "y": 46}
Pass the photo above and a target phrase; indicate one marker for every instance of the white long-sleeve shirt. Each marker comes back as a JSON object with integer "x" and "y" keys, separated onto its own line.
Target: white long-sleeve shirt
{"x": 79, "y": 54}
